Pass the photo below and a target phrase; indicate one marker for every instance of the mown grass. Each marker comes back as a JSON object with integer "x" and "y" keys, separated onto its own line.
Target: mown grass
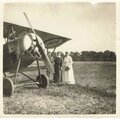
{"x": 93, "y": 93}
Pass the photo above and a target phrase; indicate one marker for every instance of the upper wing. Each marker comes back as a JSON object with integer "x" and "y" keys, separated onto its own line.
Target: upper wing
{"x": 50, "y": 40}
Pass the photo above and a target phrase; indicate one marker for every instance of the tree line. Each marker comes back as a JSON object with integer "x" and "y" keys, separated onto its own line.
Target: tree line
{"x": 90, "y": 56}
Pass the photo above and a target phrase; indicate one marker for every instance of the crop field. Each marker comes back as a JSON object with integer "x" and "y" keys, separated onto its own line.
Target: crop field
{"x": 93, "y": 93}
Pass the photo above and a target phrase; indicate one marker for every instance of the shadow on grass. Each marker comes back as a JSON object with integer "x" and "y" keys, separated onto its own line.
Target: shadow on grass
{"x": 33, "y": 68}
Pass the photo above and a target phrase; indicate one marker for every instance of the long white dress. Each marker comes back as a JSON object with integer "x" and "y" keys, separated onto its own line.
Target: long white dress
{"x": 68, "y": 75}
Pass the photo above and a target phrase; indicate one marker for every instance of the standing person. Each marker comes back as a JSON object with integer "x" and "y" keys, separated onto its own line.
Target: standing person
{"x": 57, "y": 68}
{"x": 67, "y": 72}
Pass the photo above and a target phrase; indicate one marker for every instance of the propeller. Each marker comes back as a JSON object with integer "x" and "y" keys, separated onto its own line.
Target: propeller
{"x": 41, "y": 50}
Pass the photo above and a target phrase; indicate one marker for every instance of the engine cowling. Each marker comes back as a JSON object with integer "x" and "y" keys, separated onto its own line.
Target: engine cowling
{"x": 24, "y": 42}
{"x": 27, "y": 40}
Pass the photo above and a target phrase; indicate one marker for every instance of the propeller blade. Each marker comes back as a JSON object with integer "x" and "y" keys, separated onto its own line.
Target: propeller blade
{"x": 46, "y": 60}
{"x": 44, "y": 55}
{"x": 30, "y": 25}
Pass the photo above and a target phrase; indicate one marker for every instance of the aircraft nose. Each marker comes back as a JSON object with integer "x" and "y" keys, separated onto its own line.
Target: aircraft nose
{"x": 40, "y": 41}
{"x": 27, "y": 42}
{"x": 24, "y": 42}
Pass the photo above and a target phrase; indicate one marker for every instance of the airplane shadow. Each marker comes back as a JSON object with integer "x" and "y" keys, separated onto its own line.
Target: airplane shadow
{"x": 29, "y": 87}
{"x": 33, "y": 68}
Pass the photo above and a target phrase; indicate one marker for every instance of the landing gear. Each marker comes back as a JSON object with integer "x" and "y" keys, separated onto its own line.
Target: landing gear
{"x": 42, "y": 80}
{"x": 8, "y": 87}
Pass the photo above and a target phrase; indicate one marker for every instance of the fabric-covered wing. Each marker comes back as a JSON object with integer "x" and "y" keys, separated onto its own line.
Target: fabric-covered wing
{"x": 50, "y": 40}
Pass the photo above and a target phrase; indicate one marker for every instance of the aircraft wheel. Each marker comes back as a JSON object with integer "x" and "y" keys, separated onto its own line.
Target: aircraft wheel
{"x": 43, "y": 81}
{"x": 8, "y": 87}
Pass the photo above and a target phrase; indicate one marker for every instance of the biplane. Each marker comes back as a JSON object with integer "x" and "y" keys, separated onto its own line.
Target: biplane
{"x": 24, "y": 45}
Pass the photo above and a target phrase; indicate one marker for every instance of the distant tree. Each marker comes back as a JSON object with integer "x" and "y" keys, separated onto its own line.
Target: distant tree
{"x": 72, "y": 54}
{"x": 90, "y": 56}
{"x": 84, "y": 56}
{"x": 106, "y": 55}
{"x": 75, "y": 56}
{"x": 112, "y": 56}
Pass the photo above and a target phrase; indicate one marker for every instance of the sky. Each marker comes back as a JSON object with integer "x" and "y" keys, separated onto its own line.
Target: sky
{"x": 91, "y": 28}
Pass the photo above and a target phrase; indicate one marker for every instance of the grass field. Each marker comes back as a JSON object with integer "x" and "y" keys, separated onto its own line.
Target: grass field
{"x": 93, "y": 93}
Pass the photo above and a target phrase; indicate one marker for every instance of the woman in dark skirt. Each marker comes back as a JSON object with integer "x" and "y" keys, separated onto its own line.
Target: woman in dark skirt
{"x": 57, "y": 68}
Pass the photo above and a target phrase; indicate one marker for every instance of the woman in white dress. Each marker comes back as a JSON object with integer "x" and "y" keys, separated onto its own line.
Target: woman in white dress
{"x": 67, "y": 70}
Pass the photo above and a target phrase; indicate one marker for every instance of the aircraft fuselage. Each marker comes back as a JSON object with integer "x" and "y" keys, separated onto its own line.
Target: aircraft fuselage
{"x": 10, "y": 61}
